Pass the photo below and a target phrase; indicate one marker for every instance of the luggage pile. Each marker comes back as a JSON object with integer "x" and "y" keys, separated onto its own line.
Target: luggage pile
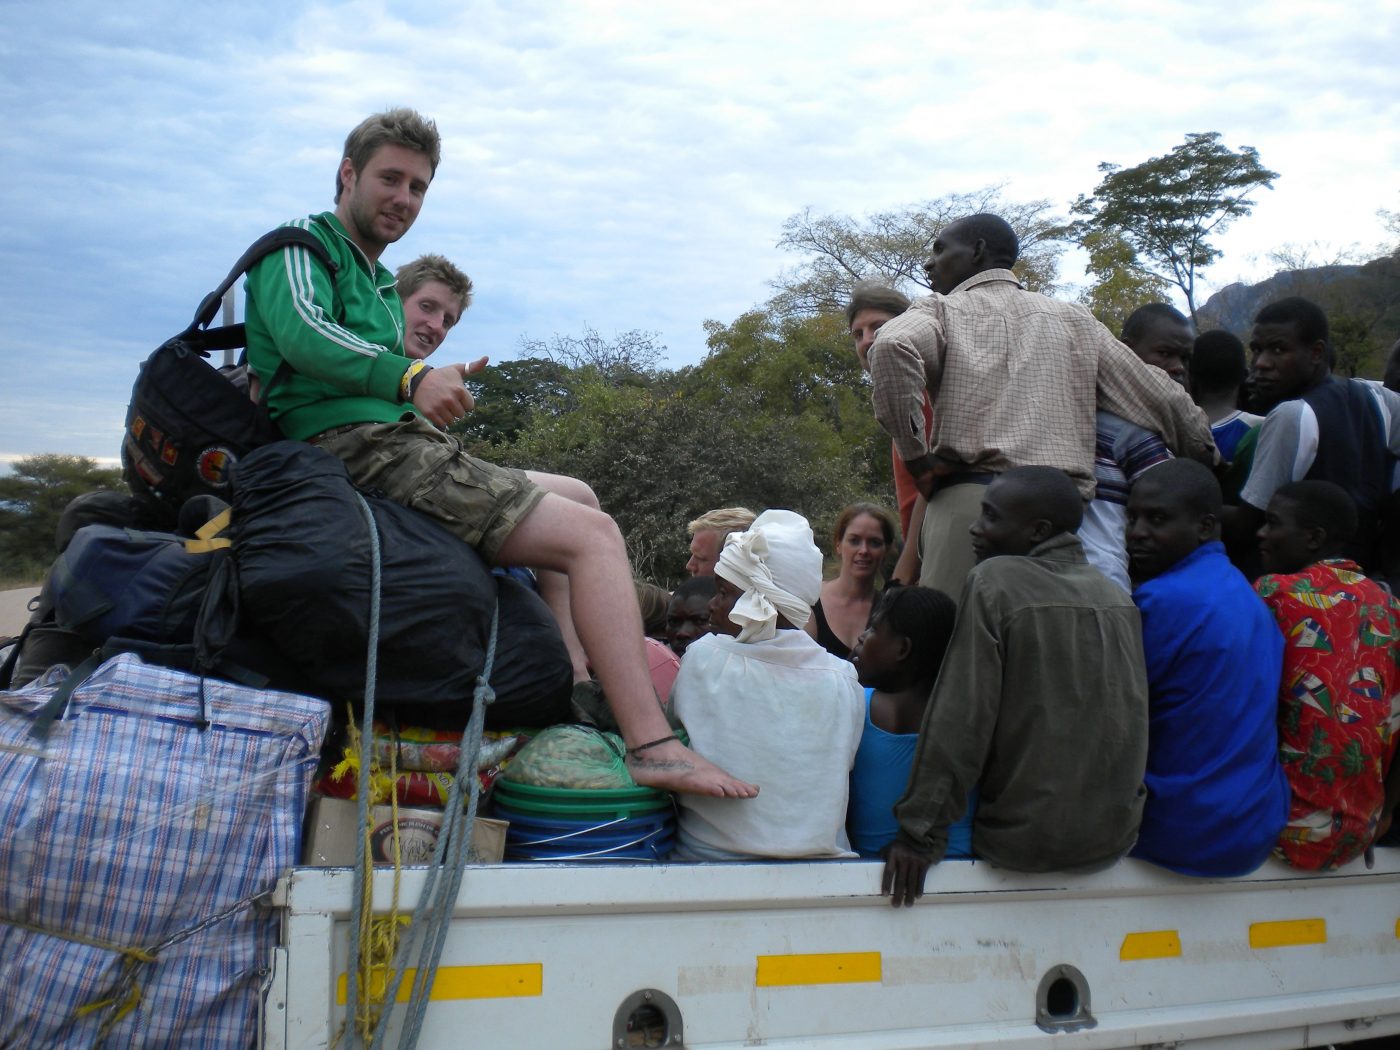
{"x": 163, "y": 717}
{"x": 161, "y": 783}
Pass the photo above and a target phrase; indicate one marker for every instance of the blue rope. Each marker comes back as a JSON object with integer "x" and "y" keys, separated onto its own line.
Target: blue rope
{"x": 436, "y": 911}
{"x": 434, "y": 907}
{"x": 362, "y": 790}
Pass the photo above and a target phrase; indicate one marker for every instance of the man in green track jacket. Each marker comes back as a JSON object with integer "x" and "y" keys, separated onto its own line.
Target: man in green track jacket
{"x": 331, "y": 348}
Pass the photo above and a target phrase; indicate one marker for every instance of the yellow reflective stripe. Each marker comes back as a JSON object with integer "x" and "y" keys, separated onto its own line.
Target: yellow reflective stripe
{"x": 1287, "y": 933}
{"x": 1151, "y": 944}
{"x": 777, "y": 971}
{"x": 205, "y": 546}
{"x": 1397, "y": 929}
{"x": 215, "y": 525}
{"x": 508, "y": 981}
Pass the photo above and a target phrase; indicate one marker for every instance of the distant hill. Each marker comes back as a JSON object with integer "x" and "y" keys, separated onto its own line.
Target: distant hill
{"x": 1234, "y": 306}
{"x": 1362, "y": 304}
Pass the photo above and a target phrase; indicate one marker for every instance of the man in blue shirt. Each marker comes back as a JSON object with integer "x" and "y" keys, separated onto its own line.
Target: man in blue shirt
{"x": 1217, "y": 796}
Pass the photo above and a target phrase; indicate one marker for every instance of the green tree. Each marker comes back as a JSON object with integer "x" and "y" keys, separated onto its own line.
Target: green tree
{"x": 792, "y": 365}
{"x": 508, "y": 396}
{"x": 777, "y": 415}
{"x": 892, "y": 246}
{"x": 1168, "y": 207}
{"x": 1122, "y": 283}
{"x": 31, "y": 500}
{"x": 1356, "y": 348}
{"x": 657, "y": 458}
{"x": 803, "y": 368}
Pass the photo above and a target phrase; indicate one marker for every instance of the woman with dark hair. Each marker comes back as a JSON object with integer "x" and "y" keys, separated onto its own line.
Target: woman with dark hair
{"x": 864, "y": 539}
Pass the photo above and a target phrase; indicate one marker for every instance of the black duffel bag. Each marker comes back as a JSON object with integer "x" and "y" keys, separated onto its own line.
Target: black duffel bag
{"x": 303, "y": 552}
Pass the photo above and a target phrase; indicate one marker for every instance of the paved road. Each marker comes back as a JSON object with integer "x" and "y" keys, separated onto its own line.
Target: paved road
{"x": 14, "y": 609}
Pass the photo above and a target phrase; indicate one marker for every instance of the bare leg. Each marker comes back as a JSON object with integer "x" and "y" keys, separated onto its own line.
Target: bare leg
{"x": 585, "y": 545}
{"x": 554, "y": 586}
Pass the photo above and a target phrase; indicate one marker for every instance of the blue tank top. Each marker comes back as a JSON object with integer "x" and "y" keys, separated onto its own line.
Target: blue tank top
{"x": 878, "y": 779}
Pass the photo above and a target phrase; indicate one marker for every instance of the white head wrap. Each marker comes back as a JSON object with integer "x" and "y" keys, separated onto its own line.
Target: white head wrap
{"x": 778, "y": 568}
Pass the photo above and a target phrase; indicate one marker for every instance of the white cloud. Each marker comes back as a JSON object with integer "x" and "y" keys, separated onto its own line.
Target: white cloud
{"x": 617, "y": 163}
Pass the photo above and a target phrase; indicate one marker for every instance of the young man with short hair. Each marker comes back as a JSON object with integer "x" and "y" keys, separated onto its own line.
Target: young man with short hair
{"x": 1216, "y": 795}
{"x": 1161, "y": 336}
{"x": 1041, "y": 703}
{"x": 1337, "y": 714}
{"x": 331, "y": 346}
{"x": 1319, "y": 427}
{"x": 435, "y": 295}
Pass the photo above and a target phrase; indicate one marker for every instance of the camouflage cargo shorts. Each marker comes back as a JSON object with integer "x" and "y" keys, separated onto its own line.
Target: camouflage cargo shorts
{"x": 416, "y": 464}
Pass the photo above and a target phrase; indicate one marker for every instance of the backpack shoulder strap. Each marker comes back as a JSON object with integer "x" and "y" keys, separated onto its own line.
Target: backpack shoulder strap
{"x": 272, "y": 241}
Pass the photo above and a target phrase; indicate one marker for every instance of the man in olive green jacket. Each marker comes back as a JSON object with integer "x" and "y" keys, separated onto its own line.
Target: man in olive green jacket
{"x": 1041, "y": 703}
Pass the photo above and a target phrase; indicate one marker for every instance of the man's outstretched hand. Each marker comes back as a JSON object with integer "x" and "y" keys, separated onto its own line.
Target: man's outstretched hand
{"x": 442, "y": 395}
{"x": 903, "y": 878}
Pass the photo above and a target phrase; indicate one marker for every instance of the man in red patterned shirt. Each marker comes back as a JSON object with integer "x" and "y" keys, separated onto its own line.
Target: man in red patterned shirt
{"x": 1340, "y": 695}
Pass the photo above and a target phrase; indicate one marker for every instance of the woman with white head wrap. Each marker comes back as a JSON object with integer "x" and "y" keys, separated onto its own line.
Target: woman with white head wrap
{"x": 769, "y": 704}
{"x": 778, "y": 567}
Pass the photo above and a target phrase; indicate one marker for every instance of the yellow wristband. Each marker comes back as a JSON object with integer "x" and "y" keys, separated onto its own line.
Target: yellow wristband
{"x": 406, "y": 383}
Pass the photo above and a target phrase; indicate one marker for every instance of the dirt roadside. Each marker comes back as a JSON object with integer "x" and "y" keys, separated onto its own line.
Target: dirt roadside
{"x": 14, "y": 609}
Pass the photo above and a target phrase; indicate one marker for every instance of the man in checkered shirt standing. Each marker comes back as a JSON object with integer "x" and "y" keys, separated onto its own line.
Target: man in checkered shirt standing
{"x": 1015, "y": 379}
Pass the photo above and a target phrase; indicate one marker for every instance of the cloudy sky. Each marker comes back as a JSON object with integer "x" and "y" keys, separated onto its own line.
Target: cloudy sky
{"x": 617, "y": 164}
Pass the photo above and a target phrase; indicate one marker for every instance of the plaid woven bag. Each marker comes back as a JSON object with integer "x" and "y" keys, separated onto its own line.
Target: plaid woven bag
{"x": 135, "y": 850}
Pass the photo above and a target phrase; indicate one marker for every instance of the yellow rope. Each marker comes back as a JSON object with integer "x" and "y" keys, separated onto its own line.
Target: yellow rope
{"x": 131, "y": 958}
{"x": 130, "y": 1003}
{"x": 379, "y": 936}
{"x": 139, "y": 955}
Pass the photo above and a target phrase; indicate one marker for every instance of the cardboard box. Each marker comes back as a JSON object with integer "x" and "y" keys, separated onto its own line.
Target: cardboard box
{"x": 331, "y": 843}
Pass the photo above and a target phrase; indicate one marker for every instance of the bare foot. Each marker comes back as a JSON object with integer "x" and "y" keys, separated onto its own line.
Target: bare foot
{"x": 674, "y": 767}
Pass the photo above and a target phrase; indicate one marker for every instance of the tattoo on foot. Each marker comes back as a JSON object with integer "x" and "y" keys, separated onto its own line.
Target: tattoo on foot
{"x": 661, "y": 764}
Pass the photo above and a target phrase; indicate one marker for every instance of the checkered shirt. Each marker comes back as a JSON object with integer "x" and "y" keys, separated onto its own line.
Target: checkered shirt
{"x": 1015, "y": 378}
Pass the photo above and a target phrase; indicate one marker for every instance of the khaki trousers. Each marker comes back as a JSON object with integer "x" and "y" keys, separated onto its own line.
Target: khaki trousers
{"x": 945, "y": 548}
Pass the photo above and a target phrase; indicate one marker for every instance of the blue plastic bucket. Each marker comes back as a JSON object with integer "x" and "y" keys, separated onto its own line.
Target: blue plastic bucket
{"x": 645, "y": 838}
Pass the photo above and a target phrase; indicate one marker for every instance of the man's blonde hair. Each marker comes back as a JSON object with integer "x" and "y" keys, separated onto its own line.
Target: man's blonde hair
{"x": 413, "y": 275}
{"x": 724, "y": 521}
{"x": 394, "y": 127}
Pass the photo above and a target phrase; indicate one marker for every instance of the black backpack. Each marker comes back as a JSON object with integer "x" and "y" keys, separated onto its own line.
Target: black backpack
{"x": 188, "y": 423}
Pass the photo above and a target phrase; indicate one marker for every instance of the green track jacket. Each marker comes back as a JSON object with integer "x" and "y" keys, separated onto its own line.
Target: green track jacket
{"x": 341, "y": 334}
